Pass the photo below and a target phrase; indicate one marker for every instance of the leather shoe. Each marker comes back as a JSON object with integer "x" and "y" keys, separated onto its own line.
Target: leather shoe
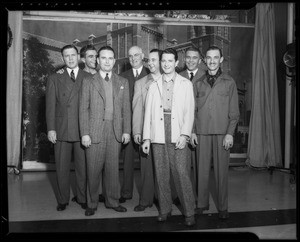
{"x": 200, "y": 211}
{"x": 223, "y": 214}
{"x": 61, "y": 207}
{"x": 189, "y": 221}
{"x": 90, "y": 211}
{"x": 120, "y": 209}
{"x": 163, "y": 217}
{"x": 140, "y": 208}
{"x": 101, "y": 198}
{"x": 123, "y": 199}
{"x": 83, "y": 205}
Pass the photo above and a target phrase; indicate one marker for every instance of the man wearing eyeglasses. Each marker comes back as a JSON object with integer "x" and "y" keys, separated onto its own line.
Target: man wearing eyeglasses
{"x": 138, "y": 71}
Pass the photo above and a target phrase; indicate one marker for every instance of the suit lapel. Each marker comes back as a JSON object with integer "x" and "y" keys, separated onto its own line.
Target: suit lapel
{"x": 117, "y": 85}
{"x": 97, "y": 82}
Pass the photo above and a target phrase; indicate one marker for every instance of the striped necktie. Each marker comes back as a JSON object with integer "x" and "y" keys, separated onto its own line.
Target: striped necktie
{"x": 72, "y": 76}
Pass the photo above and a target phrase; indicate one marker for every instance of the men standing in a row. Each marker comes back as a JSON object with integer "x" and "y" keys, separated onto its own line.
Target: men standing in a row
{"x": 105, "y": 123}
{"x": 193, "y": 73}
{"x": 138, "y": 107}
{"x": 138, "y": 70}
{"x": 217, "y": 114}
{"x": 62, "y": 102}
{"x": 169, "y": 117}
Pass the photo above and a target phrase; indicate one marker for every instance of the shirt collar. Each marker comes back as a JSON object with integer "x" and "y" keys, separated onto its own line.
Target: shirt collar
{"x": 139, "y": 70}
{"x": 170, "y": 79}
{"x": 103, "y": 74}
{"x": 76, "y": 69}
{"x": 194, "y": 72}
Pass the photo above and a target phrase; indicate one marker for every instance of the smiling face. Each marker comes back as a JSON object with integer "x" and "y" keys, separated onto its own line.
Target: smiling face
{"x": 90, "y": 59}
{"x": 168, "y": 63}
{"x": 106, "y": 60}
{"x": 192, "y": 60}
{"x": 136, "y": 56}
{"x": 153, "y": 63}
{"x": 70, "y": 57}
{"x": 213, "y": 61}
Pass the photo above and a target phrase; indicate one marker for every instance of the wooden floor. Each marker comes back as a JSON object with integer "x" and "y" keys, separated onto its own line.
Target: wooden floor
{"x": 261, "y": 204}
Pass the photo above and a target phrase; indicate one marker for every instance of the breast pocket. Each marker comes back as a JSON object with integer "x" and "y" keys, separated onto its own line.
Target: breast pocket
{"x": 223, "y": 96}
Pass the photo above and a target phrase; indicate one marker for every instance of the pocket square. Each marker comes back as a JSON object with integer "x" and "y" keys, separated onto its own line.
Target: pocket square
{"x": 121, "y": 87}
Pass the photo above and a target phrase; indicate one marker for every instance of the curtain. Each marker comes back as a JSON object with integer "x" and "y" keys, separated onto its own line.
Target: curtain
{"x": 264, "y": 148}
{"x": 14, "y": 90}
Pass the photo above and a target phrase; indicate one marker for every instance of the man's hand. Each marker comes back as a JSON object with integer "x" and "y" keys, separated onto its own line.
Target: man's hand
{"x": 52, "y": 136}
{"x": 86, "y": 141}
{"x": 194, "y": 140}
{"x": 125, "y": 138}
{"x": 137, "y": 139}
{"x": 146, "y": 146}
{"x": 228, "y": 141}
{"x": 181, "y": 142}
{"x": 60, "y": 71}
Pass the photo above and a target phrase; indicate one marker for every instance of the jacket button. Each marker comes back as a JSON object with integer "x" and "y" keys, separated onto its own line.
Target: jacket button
{"x": 68, "y": 105}
{"x": 161, "y": 119}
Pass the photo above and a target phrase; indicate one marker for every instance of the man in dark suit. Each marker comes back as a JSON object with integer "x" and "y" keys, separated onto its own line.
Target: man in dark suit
{"x": 138, "y": 71}
{"x": 62, "y": 100}
{"x": 193, "y": 72}
{"x": 105, "y": 123}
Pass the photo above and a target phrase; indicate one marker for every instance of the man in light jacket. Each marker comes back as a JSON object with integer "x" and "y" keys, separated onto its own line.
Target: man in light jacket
{"x": 168, "y": 122}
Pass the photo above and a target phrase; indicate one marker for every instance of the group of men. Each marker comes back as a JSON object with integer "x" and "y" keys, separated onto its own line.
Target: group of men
{"x": 171, "y": 121}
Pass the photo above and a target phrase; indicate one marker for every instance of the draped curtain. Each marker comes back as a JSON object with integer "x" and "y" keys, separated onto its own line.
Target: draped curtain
{"x": 14, "y": 90}
{"x": 264, "y": 148}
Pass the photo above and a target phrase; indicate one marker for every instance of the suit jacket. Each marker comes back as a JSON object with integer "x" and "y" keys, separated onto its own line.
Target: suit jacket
{"x": 182, "y": 116}
{"x": 217, "y": 108}
{"x": 199, "y": 73}
{"x": 62, "y": 103}
{"x": 141, "y": 87}
{"x": 92, "y": 105}
{"x": 131, "y": 79}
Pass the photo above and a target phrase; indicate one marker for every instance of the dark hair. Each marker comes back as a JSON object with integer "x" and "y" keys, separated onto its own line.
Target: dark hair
{"x": 169, "y": 51}
{"x": 68, "y": 47}
{"x": 84, "y": 49}
{"x": 214, "y": 47}
{"x": 193, "y": 49}
{"x": 106, "y": 47}
{"x": 158, "y": 52}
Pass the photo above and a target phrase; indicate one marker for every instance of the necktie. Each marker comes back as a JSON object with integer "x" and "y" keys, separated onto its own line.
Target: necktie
{"x": 136, "y": 75}
{"x": 72, "y": 76}
{"x": 191, "y": 75}
{"x": 211, "y": 79}
{"x": 106, "y": 77}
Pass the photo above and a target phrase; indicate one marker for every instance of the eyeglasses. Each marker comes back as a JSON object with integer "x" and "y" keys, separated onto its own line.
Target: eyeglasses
{"x": 134, "y": 56}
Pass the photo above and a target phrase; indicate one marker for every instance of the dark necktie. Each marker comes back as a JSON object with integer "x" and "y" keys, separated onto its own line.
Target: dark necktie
{"x": 72, "y": 76}
{"x": 211, "y": 79}
{"x": 191, "y": 76}
{"x": 106, "y": 77}
{"x": 136, "y": 75}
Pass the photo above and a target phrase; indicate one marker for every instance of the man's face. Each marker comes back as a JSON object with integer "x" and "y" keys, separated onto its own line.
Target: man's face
{"x": 135, "y": 57}
{"x": 213, "y": 59}
{"x": 106, "y": 60}
{"x": 168, "y": 63}
{"x": 90, "y": 59}
{"x": 70, "y": 57}
{"x": 192, "y": 60}
{"x": 153, "y": 62}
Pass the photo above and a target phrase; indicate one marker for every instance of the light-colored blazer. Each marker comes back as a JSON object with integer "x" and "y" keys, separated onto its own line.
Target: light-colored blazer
{"x": 182, "y": 116}
{"x": 92, "y": 104}
{"x": 141, "y": 87}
